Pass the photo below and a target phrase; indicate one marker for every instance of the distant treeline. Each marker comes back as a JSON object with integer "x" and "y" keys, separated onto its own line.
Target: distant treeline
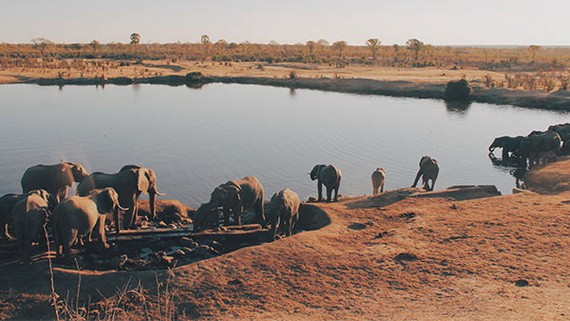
{"x": 413, "y": 54}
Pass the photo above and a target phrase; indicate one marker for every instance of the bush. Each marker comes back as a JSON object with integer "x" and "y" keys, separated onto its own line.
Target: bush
{"x": 194, "y": 75}
{"x": 457, "y": 90}
{"x": 293, "y": 74}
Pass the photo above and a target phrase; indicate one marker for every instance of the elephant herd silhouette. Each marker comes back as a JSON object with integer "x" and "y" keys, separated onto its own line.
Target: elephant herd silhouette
{"x": 525, "y": 152}
{"x": 76, "y": 219}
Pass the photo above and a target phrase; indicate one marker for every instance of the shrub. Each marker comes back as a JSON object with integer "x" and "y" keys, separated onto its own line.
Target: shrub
{"x": 293, "y": 74}
{"x": 457, "y": 90}
{"x": 196, "y": 75}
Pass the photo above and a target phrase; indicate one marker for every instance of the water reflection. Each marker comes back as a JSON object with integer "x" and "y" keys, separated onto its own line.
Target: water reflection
{"x": 195, "y": 85}
{"x": 457, "y": 107}
{"x": 514, "y": 166}
{"x": 292, "y": 92}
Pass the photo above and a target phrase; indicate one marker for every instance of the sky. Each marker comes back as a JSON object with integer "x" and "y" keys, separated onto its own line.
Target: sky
{"x": 441, "y": 22}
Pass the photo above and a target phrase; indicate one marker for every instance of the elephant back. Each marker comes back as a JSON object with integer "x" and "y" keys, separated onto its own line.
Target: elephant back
{"x": 330, "y": 175}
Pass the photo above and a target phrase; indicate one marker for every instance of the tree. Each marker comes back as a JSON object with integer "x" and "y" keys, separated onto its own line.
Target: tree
{"x": 373, "y": 45}
{"x": 339, "y": 46}
{"x": 311, "y": 46}
{"x": 41, "y": 44}
{"x": 95, "y": 46}
{"x": 534, "y": 49}
{"x": 415, "y": 45}
{"x": 135, "y": 40}
{"x": 205, "y": 40}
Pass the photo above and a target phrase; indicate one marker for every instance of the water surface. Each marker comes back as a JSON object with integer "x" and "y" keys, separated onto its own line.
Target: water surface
{"x": 196, "y": 139}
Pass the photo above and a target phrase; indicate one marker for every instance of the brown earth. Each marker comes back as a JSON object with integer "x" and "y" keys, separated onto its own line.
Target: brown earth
{"x": 361, "y": 79}
{"x": 379, "y": 257}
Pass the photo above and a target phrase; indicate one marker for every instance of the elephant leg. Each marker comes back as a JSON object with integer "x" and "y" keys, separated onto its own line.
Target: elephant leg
{"x": 382, "y": 188}
{"x": 130, "y": 213}
{"x": 237, "y": 217}
{"x": 417, "y": 178}
{"x": 226, "y": 211}
{"x": 274, "y": 227}
{"x": 329, "y": 194}
{"x": 433, "y": 183}
{"x": 259, "y": 213}
{"x": 505, "y": 154}
{"x": 101, "y": 233}
{"x": 66, "y": 244}
{"x": 5, "y": 233}
{"x": 288, "y": 227}
{"x": 336, "y": 193}
{"x": 425, "y": 183}
{"x": 320, "y": 190}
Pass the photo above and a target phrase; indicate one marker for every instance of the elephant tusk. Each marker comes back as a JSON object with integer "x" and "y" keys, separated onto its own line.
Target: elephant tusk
{"x": 123, "y": 208}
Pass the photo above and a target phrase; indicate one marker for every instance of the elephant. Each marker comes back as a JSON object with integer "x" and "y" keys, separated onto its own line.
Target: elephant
{"x": 30, "y": 215}
{"x": 129, "y": 183}
{"x": 238, "y": 195}
{"x": 563, "y": 130}
{"x": 206, "y": 217}
{"x": 378, "y": 178}
{"x": 330, "y": 176}
{"x": 508, "y": 144}
{"x": 283, "y": 212}
{"x": 53, "y": 178}
{"x": 7, "y": 203}
{"x": 429, "y": 169}
{"x": 79, "y": 216}
{"x": 539, "y": 144}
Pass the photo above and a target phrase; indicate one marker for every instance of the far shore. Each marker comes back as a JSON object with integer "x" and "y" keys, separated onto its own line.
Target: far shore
{"x": 367, "y": 80}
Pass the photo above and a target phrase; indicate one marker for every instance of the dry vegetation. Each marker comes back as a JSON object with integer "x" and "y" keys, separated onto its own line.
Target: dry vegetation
{"x": 524, "y": 68}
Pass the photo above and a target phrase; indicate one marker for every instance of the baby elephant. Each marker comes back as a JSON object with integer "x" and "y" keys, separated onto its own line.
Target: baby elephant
{"x": 329, "y": 176}
{"x": 429, "y": 169}
{"x": 79, "y": 216}
{"x": 283, "y": 212}
{"x": 378, "y": 178}
{"x": 30, "y": 215}
{"x": 206, "y": 216}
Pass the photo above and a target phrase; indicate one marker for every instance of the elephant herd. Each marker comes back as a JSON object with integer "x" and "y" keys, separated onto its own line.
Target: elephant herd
{"x": 537, "y": 147}
{"x": 99, "y": 195}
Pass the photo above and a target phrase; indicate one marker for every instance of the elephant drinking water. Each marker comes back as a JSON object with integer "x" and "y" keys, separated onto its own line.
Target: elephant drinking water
{"x": 238, "y": 195}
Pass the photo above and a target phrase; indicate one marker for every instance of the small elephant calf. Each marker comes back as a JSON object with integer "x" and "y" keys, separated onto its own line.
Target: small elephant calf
{"x": 283, "y": 212}
{"x": 378, "y": 179}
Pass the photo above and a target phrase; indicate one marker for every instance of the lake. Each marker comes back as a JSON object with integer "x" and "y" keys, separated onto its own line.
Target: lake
{"x": 196, "y": 139}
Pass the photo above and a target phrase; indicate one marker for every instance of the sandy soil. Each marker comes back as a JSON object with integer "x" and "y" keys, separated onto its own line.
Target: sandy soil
{"x": 378, "y": 258}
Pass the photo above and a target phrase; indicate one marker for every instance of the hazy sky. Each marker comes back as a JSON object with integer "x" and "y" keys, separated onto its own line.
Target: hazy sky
{"x": 441, "y": 22}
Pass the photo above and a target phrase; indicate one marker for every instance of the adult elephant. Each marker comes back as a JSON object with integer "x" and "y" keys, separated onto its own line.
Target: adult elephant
{"x": 378, "y": 179}
{"x": 563, "y": 130}
{"x": 130, "y": 182}
{"x": 80, "y": 216}
{"x": 429, "y": 170}
{"x": 508, "y": 144}
{"x": 55, "y": 179}
{"x": 206, "y": 217}
{"x": 328, "y": 175}
{"x": 283, "y": 212}
{"x": 238, "y": 195}
{"x": 533, "y": 146}
{"x": 30, "y": 214}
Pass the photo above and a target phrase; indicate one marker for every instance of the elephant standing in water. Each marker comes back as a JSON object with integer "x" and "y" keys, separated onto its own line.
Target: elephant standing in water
{"x": 509, "y": 145}
{"x": 378, "y": 179}
{"x": 30, "y": 215}
{"x": 330, "y": 176}
{"x": 55, "y": 179}
{"x": 129, "y": 183}
{"x": 537, "y": 144}
{"x": 79, "y": 216}
{"x": 236, "y": 196}
{"x": 283, "y": 212}
{"x": 429, "y": 169}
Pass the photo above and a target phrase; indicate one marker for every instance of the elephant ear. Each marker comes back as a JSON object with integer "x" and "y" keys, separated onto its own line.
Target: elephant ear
{"x": 233, "y": 196}
{"x": 142, "y": 181}
{"x": 109, "y": 200}
{"x": 79, "y": 172}
{"x": 63, "y": 174}
{"x": 151, "y": 177}
{"x": 315, "y": 172}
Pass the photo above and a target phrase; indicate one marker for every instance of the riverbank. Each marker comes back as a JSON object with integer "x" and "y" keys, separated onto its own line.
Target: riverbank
{"x": 368, "y": 80}
{"x": 436, "y": 257}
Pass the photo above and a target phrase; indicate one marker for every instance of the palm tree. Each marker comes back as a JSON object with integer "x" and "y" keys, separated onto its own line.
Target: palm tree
{"x": 135, "y": 39}
{"x": 373, "y": 45}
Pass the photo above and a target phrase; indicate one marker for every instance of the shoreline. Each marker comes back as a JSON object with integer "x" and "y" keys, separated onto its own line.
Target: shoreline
{"x": 534, "y": 99}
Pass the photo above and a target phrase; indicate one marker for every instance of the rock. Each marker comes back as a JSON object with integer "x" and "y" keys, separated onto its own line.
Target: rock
{"x": 405, "y": 257}
{"x": 203, "y": 251}
{"x": 521, "y": 283}
{"x": 311, "y": 199}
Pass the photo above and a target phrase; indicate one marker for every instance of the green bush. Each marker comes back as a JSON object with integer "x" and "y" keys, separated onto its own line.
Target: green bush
{"x": 458, "y": 90}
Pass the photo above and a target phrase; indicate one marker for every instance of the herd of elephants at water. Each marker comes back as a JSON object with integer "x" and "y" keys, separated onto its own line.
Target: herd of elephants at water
{"x": 76, "y": 219}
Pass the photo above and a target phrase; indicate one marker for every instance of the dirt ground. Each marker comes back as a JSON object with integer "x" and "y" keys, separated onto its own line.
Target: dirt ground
{"x": 379, "y": 257}
{"x": 250, "y": 69}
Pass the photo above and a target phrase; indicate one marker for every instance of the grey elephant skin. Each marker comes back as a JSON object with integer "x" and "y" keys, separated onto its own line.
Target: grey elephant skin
{"x": 80, "y": 216}
{"x": 130, "y": 182}
{"x": 55, "y": 179}
{"x": 510, "y": 146}
{"x": 283, "y": 212}
{"x": 238, "y": 195}
{"x": 537, "y": 144}
{"x": 378, "y": 178}
{"x": 30, "y": 215}
{"x": 328, "y": 175}
{"x": 206, "y": 217}
{"x": 7, "y": 203}
{"x": 429, "y": 170}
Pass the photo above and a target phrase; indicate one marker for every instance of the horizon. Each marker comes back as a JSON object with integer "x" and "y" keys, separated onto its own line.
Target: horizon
{"x": 447, "y": 23}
